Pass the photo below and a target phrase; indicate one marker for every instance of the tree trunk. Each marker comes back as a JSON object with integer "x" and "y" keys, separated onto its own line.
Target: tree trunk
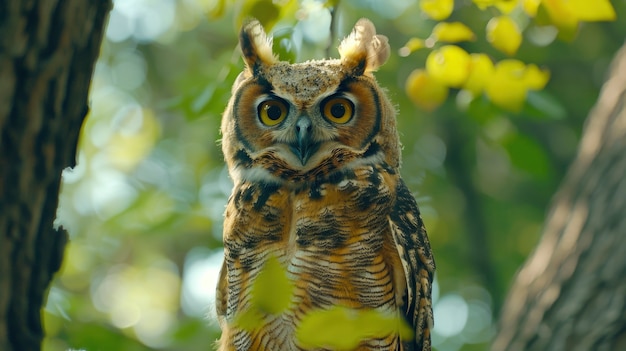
{"x": 571, "y": 293}
{"x": 47, "y": 54}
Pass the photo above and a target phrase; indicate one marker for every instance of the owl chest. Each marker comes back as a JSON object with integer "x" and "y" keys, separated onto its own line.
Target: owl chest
{"x": 347, "y": 216}
{"x": 330, "y": 236}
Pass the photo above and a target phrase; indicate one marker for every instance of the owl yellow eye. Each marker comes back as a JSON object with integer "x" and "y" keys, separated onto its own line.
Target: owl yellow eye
{"x": 338, "y": 110}
{"x": 272, "y": 112}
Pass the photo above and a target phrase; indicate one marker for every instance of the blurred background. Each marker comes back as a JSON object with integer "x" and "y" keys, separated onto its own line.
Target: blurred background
{"x": 144, "y": 204}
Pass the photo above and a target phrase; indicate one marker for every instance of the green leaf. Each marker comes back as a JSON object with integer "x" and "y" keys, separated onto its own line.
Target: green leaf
{"x": 342, "y": 328}
{"x": 272, "y": 289}
{"x": 542, "y": 105}
{"x": 527, "y": 155}
{"x": 283, "y": 44}
{"x": 266, "y": 11}
{"x": 249, "y": 319}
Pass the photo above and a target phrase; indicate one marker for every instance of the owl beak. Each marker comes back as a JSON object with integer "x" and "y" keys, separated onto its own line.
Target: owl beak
{"x": 304, "y": 146}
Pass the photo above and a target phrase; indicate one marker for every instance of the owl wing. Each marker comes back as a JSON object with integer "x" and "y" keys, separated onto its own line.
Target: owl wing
{"x": 418, "y": 264}
{"x": 220, "y": 294}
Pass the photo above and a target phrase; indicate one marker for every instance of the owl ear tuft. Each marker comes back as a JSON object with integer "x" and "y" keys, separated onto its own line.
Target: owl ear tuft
{"x": 363, "y": 50}
{"x": 256, "y": 46}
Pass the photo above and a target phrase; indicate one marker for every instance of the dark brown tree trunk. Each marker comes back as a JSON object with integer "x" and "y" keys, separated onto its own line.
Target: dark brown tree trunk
{"x": 47, "y": 54}
{"x": 571, "y": 293}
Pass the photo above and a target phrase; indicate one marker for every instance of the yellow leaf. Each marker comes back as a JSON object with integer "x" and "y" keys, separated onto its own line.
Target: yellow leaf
{"x": 449, "y": 65}
{"x": 561, "y": 16}
{"x": 506, "y": 6}
{"x": 250, "y": 320}
{"x": 412, "y": 45}
{"x": 480, "y": 72}
{"x": 341, "y": 328}
{"x": 452, "y": 32}
{"x": 268, "y": 12}
{"x": 424, "y": 91}
{"x": 530, "y": 7}
{"x": 374, "y": 323}
{"x": 437, "y": 9}
{"x": 507, "y": 88}
{"x": 504, "y": 34}
{"x": 218, "y": 10}
{"x": 535, "y": 78}
{"x": 590, "y": 11}
{"x": 483, "y": 4}
{"x": 272, "y": 289}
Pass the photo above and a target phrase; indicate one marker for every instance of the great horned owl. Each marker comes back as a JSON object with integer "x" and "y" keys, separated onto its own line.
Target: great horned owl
{"x": 314, "y": 154}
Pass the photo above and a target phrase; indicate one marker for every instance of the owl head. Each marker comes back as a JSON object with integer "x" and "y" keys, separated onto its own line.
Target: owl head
{"x": 295, "y": 122}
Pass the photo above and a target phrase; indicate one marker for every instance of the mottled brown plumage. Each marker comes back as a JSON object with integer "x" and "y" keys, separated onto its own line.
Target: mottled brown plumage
{"x": 314, "y": 153}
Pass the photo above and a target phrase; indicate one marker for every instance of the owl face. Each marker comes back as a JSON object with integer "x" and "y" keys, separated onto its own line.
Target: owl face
{"x": 285, "y": 121}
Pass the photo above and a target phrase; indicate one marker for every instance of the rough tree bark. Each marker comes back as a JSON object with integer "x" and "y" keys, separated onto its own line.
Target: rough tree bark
{"x": 571, "y": 292}
{"x": 47, "y": 54}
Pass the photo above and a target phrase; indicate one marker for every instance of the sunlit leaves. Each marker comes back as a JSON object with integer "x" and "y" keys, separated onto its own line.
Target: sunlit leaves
{"x": 270, "y": 294}
{"x": 337, "y": 328}
{"x": 530, "y": 7}
{"x": 582, "y": 10}
{"x": 250, "y": 319}
{"x": 424, "y": 91}
{"x": 218, "y": 10}
{"x": 448, "y": 32}
{"x": 483, "y": 4}
{"x": 535, "y": 78}
{"x": 437, "y": 9}
{"x": 567, "y": 14}
{"x": 506, "y": 83}
{"x": 505, "y": 6}
{"x": 452, "y": 32}
{"x": 412, "y": 45}
{"x": 268, "y": 12}
{"x": 480, "y": 72}
{"x": 504, "y": 34}
{"x": 448, "y": 65}
{"x": 511, "y": 81}
{"x": 341, "y": 328}
{"x": 272, "y": 289}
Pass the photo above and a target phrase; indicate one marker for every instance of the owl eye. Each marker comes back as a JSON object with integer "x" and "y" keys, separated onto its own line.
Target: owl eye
{"x": 338, "y": 110}
{"x": 272, "y": 112}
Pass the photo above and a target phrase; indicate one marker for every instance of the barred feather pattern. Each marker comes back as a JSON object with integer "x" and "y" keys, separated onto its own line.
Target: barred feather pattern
{"x": 338, "y": 239}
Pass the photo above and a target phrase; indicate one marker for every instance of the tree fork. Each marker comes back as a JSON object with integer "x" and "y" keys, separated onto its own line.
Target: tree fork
{"x": 48, "y": 50}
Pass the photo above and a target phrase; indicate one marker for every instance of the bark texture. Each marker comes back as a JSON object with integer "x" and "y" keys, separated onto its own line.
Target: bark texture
{"x": 571, "y": 293}
{"x": 47, "y": 53}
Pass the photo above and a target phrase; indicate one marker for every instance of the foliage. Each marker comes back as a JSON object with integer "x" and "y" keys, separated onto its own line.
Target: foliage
{"x": 342, "y": 328}
{"x": 337, "y": 328}
{"x": 270, "y": 295}
{"x": 144, "y": 204}
{"x": 508, "y": 83}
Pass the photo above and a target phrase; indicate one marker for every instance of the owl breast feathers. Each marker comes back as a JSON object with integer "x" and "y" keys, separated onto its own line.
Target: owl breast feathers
{"x": 314, "y": 154}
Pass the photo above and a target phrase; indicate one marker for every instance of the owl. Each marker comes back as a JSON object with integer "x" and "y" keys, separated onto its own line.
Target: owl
{"x": 314, "y": 154}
